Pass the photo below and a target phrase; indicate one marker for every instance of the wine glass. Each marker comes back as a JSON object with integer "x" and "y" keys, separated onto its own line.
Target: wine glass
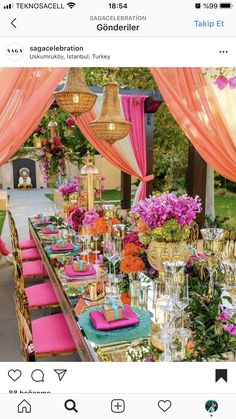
{"x": 174, "y": 270}
{"x": 117, "y": 257}
{"x": 165, "y": 302}
{"x": 182, "y": 302}
{"x": 211, "y": 265}
{"x": 213, "y": 245}
{"x": 108, "y": 254}
{"x": 96, "y": 238}
{"x": 165, "y": 293}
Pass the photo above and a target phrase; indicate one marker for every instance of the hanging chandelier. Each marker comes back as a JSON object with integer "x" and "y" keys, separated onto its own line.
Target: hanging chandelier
{"x": 110, "y": 125}
{"x": 75, "y": 98}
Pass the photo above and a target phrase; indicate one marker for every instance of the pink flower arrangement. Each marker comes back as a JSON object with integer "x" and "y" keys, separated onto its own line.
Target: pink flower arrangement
{"x": 90, "y": 218}
{"x": 222, "y": 82}
{"x": 39, "y": 131}
{"x": 79, "y": 217}
{"x": 156, "y": 210}
{"x": 231, "y": 329}
{"x": 68, "y": 188}
{"x": 53, "y": 158}
{"x": 133, "y": 237}
{"x": 75, "y": 218}
{"x": 226, "y": 319}
{"x": 70, "y": 122}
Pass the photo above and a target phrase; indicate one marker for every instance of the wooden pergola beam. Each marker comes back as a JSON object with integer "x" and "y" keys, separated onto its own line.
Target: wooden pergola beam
{"x": 196, "y": 180}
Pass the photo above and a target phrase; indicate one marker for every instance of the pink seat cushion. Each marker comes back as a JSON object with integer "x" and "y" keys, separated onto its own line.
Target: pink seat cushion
{"x": 30, "y": 254}
{"x": 27, "y": 244}
{"x": 34, "y": 268}
{"x": 51, "y": 335}
{"x": 41, "y": 295}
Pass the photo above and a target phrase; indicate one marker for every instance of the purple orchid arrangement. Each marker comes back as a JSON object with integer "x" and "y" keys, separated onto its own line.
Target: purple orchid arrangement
{"x": 227, "y": 321}
{"x": 68, "y": 188}
{"x": 90, "y": 217}
{"x": 156, "y": 210}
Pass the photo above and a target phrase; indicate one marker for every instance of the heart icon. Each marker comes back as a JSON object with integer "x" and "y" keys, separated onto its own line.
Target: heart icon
{"x": 164, "y": 405}
{"x": 14, "y": 374}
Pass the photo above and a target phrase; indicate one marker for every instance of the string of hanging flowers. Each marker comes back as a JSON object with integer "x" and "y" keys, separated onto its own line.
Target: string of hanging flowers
{"x": 52, "y": 161}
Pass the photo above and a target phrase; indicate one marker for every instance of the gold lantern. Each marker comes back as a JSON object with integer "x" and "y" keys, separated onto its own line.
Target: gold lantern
{"x": 38, "y": 143}
{"x": 90, "y": 180}
{"x": 75, "y": 98}
{"x": 53, "y": 128}
{"x": 110, "y": 125}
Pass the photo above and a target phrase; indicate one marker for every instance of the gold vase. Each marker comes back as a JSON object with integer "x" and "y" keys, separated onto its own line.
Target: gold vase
{"x": 159, "y": 252}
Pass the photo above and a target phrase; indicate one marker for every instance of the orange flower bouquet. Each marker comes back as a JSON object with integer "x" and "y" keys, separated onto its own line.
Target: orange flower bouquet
{"x": 132, "y": 264}
{"x": 131, "y": 249}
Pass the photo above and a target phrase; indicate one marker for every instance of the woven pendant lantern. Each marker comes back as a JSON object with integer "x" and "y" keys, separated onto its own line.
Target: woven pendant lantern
{"x": 110, "y": 125}
{"x": 75, "y": 98}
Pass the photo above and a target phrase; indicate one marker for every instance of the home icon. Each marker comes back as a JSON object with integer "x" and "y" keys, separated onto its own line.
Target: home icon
{"x": 24, "y": 407}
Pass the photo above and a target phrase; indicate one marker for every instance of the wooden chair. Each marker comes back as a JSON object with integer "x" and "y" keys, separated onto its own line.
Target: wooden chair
{"x": 32, "y": 268}
{"x": 45, "y": 337}
{"x": 28, "y": 248}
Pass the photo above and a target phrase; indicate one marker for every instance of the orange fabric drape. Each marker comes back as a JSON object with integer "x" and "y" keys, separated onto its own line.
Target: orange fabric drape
{"x": 189, "y": 99}
{"x": 26, "y": 95}
{"x": 110, "y": 152}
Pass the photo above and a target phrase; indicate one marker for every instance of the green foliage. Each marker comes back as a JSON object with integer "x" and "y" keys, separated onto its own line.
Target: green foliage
{"x": 170, "y": 152}
{"x": 171, "y": 231}
{"x": 209, "y": 336}
{"x": 143, "y": 351}
{"x": 127, "y": 78}
{"x": 225, "y": 210}
{"x": 2, "y": 219}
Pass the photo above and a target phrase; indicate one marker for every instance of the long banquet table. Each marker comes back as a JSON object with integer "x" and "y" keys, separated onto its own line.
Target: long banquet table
{"x": 87, "y": 350}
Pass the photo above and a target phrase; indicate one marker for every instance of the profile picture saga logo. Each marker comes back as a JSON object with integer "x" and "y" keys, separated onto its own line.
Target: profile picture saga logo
{"x": 14, "y": 51}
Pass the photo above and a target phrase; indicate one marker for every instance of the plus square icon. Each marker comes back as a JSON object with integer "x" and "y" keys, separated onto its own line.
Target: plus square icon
{"x": 118, "y": 406}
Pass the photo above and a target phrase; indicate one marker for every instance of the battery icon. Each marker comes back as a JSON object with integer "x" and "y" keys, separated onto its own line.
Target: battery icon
{"x": 226, "y": 5}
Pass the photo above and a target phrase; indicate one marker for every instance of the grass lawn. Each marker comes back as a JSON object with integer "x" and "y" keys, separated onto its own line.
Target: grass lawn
{"x": 49, "y": 196}
{"x": 109, "y": 195}
{"x": 2, "y": 218}
{"x": 226, "y": 207}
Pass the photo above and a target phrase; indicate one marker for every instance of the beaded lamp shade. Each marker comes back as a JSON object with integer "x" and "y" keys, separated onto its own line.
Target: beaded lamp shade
{"x": 75, "y": 98}
{"x": 110, "y": 125}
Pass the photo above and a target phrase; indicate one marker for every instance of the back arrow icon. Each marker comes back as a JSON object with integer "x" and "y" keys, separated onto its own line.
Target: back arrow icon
{"x": 12, "y": 22}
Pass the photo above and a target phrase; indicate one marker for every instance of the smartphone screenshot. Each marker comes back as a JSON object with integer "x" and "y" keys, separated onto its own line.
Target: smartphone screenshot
{"x": 117, "y": 209}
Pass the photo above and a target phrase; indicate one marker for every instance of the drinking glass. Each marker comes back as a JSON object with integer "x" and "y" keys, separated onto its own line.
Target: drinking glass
{"x": 143, "y": 295}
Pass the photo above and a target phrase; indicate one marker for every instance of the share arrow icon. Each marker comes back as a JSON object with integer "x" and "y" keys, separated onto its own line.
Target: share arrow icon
{"x": 60, "y": 373}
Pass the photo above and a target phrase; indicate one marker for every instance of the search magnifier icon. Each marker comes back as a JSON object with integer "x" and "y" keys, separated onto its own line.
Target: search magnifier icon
{"x": 70, "y": 405}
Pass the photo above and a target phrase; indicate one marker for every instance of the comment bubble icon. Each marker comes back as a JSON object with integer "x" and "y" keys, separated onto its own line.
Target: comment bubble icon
{"x": 37, "y": 376}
